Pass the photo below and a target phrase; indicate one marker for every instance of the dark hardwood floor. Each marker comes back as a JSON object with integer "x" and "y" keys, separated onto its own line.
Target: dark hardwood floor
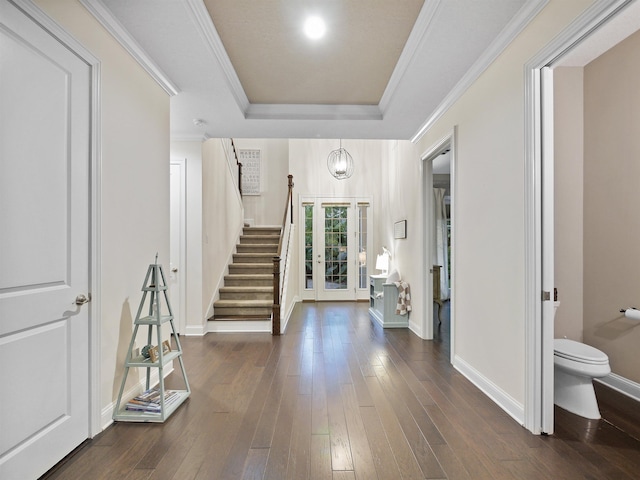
{"x": 338, "y": 397}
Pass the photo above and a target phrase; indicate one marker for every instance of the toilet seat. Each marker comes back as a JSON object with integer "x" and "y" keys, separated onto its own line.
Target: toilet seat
{"x": 579, "y": 352}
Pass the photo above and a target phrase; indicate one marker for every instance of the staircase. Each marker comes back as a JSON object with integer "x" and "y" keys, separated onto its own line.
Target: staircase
{"x": 248, "y": 288}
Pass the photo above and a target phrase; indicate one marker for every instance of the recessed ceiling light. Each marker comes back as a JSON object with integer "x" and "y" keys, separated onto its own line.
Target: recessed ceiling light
{"x": 314, "y": 27}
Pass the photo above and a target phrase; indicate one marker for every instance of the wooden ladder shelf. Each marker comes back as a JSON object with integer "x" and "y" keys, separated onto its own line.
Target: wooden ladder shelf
{"x": 163, "y": 402}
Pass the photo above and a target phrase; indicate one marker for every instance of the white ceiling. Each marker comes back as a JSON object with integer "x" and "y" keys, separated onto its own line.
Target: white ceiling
{"x": 384, "y": 70}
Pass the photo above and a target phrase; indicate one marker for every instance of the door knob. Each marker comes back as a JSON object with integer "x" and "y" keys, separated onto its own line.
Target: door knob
{"x": 82, "y": 299}
{"x": 174, "y": 269}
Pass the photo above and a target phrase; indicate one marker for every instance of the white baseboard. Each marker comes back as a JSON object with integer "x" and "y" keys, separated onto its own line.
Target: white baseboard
{"x": 194, "y": 331}
{"x": 107, "y": 412}
{"x": 622, "y": 385}
{"x": 415, "y": 328}
{"x": 501, "y": 398}
{"x": 287, "y": 315}
{"x": 239, "y": 326}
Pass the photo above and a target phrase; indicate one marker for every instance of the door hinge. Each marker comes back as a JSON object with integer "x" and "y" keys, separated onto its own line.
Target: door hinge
{"x": 546, "y": 296}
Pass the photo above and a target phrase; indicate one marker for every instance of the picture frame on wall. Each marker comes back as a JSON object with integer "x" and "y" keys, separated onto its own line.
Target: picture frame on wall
{"x": 400, "y": 229}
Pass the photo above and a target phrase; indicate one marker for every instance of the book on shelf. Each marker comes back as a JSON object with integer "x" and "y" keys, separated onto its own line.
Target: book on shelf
{"x": 150, "y": 402}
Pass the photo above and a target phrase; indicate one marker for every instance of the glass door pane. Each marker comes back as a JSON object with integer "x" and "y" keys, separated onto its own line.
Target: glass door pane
{"x": 308, "y": 246}
{"x": 336, "y": 250}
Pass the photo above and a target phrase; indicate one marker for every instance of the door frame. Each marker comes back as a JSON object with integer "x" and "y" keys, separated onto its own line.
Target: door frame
{"x": 426, "y": 159}
{"x": 317, "y": 201}
{"x": 95, "y": 197}
{"x": 182, "y": 262}
{"x": 538, "y": 409}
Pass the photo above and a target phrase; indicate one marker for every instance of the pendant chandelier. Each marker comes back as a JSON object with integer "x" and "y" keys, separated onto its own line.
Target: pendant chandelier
{"x": 340, "y": 163}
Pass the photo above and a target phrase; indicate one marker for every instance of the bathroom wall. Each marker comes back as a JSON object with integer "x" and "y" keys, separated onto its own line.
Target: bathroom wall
{"x": 611, "y": 200}
{"x": 568, "y": 228}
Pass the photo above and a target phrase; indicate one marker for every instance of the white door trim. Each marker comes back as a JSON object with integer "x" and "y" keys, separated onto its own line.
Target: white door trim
{"x": 95, "y": 416}
{"x": 538, "y": 415}
{"x": 426, "y": 159}
{"x": 317, "y": 201}
{"x": 182, "y": 262}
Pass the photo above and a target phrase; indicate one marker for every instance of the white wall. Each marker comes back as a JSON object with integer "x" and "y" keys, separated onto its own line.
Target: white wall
{"x": 222, "y": 219}
{"x": 267, "y": 208}
{"x": 191, "y": 152}
{"x": 134, "y": 216}
{"x": 611, "y": 198}
{"x": 401, "y": 192}
{"x": 490, "y": 244}
{"x": 568, "y": 228}
{"x": 308, "y": 165}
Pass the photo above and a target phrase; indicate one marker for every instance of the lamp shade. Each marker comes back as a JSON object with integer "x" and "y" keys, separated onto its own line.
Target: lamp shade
{"x": 382, "y": 262}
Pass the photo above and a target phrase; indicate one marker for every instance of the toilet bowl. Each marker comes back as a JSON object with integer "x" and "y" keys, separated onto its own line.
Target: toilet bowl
{"x": 575, "y": 366}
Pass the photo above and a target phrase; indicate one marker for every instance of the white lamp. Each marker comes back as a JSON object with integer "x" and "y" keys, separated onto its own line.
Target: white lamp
{"x": 382, "y": 261}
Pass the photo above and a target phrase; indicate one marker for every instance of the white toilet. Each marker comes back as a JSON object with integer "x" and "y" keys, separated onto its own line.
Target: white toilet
{"x": 575, "y": 366}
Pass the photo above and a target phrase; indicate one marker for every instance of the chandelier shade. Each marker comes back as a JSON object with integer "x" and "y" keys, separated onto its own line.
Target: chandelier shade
{"x": 340, "y": 163}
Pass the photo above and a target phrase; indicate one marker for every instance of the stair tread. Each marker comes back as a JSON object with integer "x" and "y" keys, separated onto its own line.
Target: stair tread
{"x": 259, "y": 276}
{"x": 255, "y": 288}
{"x": 238, "y": 318}
{"x": 244, "y": 303}
{"x": 253, "y": 254}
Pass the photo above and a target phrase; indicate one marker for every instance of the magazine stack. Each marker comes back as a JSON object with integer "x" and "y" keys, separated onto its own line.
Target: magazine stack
{"x": 149, "y": 401}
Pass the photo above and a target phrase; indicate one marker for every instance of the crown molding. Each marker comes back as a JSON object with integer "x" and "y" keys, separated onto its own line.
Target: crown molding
{"x": 418, "y": 32}
{"x": 527, "y": 13}
{"x": 122, "y": 36}
{"x": 207, "y": 29}
{"x": 313, "y": 112}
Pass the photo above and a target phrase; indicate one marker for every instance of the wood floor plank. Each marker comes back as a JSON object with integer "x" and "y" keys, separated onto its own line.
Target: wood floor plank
{"x": 234, "y": 463}
{"x": 357, "y": 377}
{"x": 140, "y": 474}
{"x": 339, "y": 397}
{"x": 402, "y": 452}
{"x": 278, "y": 461}
{"x": 300, "y": 451}
{"x": 266, "y": 424}
{"x": 419, "y": 445}
{"x": 305, "y": 383}
{"x": 255, "y": 464}
{"x": 360, "y": 448}
{"x": 382, "y": 455}
{"x": 320, "y": 464}
{"x": 403, "y": 393}
{"x": 198, "y": 453}
{"x": 319, "y": 415}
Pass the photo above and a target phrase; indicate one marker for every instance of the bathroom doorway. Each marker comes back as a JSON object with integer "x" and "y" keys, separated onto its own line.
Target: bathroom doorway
{"x": 581, "y": 43}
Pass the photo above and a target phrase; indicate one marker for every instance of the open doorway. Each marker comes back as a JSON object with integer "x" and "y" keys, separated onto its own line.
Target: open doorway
{"x": 596, "y": 31}
{"x": 438, "y": 203}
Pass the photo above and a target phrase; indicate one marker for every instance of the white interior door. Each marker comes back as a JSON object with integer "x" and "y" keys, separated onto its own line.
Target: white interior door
{"x": 176, "y": 244}
{"x": 548, "y": 247}
{"x": 44, "y": 247}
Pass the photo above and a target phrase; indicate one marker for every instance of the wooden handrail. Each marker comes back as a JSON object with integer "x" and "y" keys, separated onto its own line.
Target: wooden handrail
{"x": 288, "y": 208}
{"x": 235, "y": 154}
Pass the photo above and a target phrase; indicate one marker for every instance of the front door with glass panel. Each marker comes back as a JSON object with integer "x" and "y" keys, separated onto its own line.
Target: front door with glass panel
{"x": 335, "y": 245}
